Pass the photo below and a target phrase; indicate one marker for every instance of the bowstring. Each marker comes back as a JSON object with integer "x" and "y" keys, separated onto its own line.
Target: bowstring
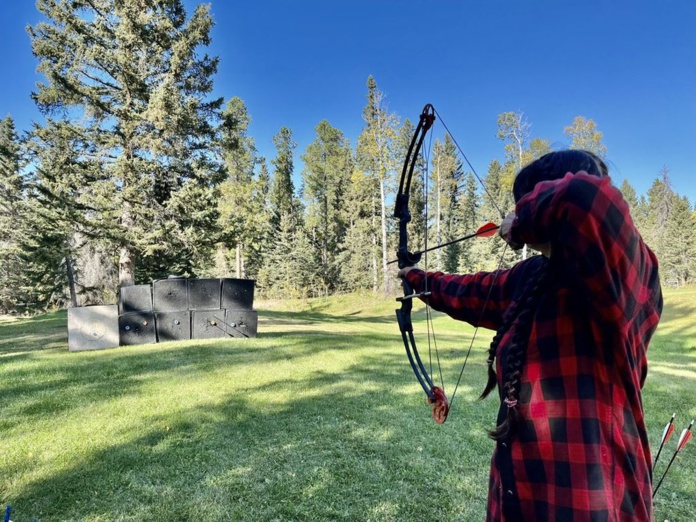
{"x": 496, "y": 272}
{"x": 490, "y": 196}
{"x": 478, "y": 323}
{"x": 432, "y": 339}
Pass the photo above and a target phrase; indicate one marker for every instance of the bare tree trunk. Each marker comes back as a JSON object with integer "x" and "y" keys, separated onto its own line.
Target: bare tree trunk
{"x": 126, "y": 267}
{"x": 241, "y": 262}
{"x": 221, "y": 265}
{"x": 438, "y": 215}
{"x": 239, "y": 269}
{"x": 385, "y": 279}
{"x": 520, "y": 142}
{"x": 375, "y": 271}
{"x": 126, "y": 261}
{"x": 71, "y": 281}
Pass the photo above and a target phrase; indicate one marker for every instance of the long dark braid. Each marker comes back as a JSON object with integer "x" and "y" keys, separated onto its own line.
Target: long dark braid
{"x": 510, "y": 318}
{"x": 553, "y": 165}
{"x": 519, "y": 320}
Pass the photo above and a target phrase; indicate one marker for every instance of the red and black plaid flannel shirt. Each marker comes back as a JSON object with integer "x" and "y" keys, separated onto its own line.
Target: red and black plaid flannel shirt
{"x": 581, "y": 452}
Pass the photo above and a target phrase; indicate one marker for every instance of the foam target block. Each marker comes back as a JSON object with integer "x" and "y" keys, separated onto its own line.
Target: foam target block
{"x": 208, "y": 324}
{"x": 137, "y": 328}
{"x": 238, "y": 294}
{"x": 204, "y": 294}
{"x": 136, "y": 298}
{"x": 173, "y": 326}
{"x": 241, "y": 323}
{"x": 92, "y": 328}
{"x": 170, "y": 295}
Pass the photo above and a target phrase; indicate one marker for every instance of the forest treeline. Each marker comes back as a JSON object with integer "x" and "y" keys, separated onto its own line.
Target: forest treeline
{"x": 138, "y": 173}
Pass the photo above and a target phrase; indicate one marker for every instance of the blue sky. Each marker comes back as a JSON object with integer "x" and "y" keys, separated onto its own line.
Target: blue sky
{"x": 628, "y": 65}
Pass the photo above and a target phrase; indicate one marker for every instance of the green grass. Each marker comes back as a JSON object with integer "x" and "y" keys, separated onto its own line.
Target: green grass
{"x": 319, "y": 418}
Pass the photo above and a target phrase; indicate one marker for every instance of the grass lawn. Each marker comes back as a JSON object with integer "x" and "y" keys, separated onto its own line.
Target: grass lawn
{"x": 319, "y": 418}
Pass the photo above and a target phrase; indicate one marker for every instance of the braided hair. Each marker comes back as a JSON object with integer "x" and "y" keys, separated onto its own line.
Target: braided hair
{"x": 519, "y": 318}
{"x": 519, "y": 321}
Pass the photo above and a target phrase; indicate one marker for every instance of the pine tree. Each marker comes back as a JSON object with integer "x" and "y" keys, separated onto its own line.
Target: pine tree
{"x": 659, "y": 208}
{"x": 375, "y": 156}
{"x": 359, "y": 250}
{"x": 283, "y": 200}
{"x": 127, "y": 73}
{"x": 244, "y": 214}
{"x": 446, "y": 176}
{"x": 11, "y": 204}
{"x": 327, "y": 167}
{"x": 677, "y": 262}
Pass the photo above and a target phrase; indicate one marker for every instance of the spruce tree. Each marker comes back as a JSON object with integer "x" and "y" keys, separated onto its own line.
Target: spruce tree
{"x": 11, "y": 215}
{"x": 359, "y": 251}
{"x": 677, "y": 262}
{"x": 244, "y": 214}
{"x": 659, "y": 207}
{"x": 375, "y": 156}
{"x": 466, "y": 261}
{"x": 10, "y": 180}
{"x": 636, "y": 205}
{"x": 128, "y": 75}
{"x": 289, "y": 270}
{"x": 327, "y": 168}
{"x": 259, "y": 234}
{"x": 62, "y": 211}
{"x": 289, "y": 265}
{"x": 283, "y": 200}
{"x": 446, "y": 175}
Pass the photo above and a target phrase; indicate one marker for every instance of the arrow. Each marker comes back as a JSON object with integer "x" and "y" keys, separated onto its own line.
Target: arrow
{"x": 683, "y": 439}
{"x": 486, "y": 230}
{"x": 666, "y": 434}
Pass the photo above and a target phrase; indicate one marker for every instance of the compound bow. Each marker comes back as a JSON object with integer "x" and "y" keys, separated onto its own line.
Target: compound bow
{"x": 405, "y": 258}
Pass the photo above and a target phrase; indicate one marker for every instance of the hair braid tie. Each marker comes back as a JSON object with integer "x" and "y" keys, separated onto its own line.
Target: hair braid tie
{"x": 510, "y": 403}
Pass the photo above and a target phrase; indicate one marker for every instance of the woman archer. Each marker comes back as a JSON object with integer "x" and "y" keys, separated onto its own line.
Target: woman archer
{"x": 569, "y": 357}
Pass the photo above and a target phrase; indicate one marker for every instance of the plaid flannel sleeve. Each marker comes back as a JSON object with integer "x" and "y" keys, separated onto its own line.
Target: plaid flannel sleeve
{"x": 589, "y": 226}
{"x": 479, "y": 299}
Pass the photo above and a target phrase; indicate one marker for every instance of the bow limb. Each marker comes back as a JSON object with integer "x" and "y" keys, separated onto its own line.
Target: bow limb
{"x": 401, "y": 210}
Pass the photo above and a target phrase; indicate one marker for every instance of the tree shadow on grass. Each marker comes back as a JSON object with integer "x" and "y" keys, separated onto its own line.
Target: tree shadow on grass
{"x": 351, "y": 446}
{"x": 35, "y": 387}
{"x": 356, "y": 445}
